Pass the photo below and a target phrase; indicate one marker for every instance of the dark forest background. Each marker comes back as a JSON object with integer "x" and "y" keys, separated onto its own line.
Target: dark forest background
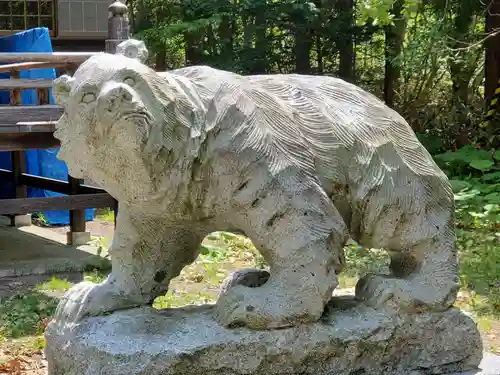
{"x": 437, "y": 62}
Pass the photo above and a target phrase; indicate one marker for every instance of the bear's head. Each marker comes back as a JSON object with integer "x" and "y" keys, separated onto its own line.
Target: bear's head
{"x": 118, "y": 116}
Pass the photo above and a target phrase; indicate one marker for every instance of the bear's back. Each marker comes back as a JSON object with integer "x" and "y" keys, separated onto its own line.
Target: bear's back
{"x": 354, "y": 139}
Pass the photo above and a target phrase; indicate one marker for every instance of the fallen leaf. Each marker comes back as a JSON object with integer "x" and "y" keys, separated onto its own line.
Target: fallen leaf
{"x": 11, "y": 367}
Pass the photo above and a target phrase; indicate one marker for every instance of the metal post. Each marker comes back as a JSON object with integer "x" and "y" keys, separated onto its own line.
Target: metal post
{"x": 118, "y": 26}
{"x": 118, "y": 31}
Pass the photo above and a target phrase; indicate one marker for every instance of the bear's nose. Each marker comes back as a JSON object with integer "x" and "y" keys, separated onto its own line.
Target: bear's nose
{"x": 119, "y": 95}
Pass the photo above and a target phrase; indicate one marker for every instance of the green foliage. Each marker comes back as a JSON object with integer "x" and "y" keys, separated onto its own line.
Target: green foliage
{"x": 360, "y": 261}
{"x": 478, "y": 236}
{"x": 178, "y": 299}
{"x": 470, "y": 160}
{"x": 221, "y": 247}
{"x": 245, "y": 36}
{"x": 54, "y": 284}
{"x": 96, "y": 276}
{"x": 439, "y": 75}
{"x": 213, "y": 253}
{"x": 105, "y": 214}
{"x": 23, "y": 315}
{"x": 475, "y": 179}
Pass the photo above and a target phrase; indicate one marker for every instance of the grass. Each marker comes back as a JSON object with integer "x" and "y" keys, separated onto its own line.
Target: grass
{"x": 25, "y": 315}
{"x": 55, "y": 284}
{"x": 105, "y": 214}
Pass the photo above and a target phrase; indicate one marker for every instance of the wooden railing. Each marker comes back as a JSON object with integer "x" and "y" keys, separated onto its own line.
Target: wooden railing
{"x": 25, "y": 127}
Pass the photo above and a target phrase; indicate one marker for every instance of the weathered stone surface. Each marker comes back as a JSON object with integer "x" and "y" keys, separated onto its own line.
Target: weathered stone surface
{"x": 350, "y": 339}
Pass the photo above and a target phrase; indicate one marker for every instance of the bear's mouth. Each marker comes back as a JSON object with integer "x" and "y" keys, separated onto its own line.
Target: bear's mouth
{"x": 140, "y": 114}
{"x": 57, "y": 135}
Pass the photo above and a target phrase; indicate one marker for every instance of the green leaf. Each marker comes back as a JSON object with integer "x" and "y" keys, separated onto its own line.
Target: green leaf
{"x": 482, "y": 165}
{"x": 467, "y": 195}
{"x": 204, "y": 250}
{"x": 490, "y": 207}
{"x": 447, "y": 156}
{"x": 488, "y": 188}
{"x": 493, "y": 198}
{"x": 491, "y": 176}
{"x": 477, "y": 214}
{"x": 496, "y": 155}
{"x": 459, "y": 185}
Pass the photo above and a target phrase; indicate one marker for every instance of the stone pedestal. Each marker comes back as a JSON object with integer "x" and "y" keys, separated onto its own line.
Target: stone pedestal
{"x": 351, "y": 339}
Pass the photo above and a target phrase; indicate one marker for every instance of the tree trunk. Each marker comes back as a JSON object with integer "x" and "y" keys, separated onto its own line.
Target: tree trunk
{"x": 226, "y": 35}
{"x": 261, "y": 62}
{"x": 345, "y": 44}
{"x": 394, "y": 37}
{"x": 161, "y": 59}
{"x": 194, "y": 50}
{"x": 141, "y": 19}
{"x": 319, "y": 52}
{"x": 492, "y": 70}
{"x": 461, "y": 73}
{"x": 492, "y": 53}
{"x": 210, "y": 42}
{"x": 303, "y": 45}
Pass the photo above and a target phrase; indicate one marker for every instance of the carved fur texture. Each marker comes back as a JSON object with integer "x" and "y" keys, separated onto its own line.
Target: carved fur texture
{"x": 297, "y": 163}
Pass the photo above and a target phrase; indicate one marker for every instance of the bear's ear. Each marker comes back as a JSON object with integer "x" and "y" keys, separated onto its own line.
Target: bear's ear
{"x": 61, "y": 87}
{"x": 134, "y": 49}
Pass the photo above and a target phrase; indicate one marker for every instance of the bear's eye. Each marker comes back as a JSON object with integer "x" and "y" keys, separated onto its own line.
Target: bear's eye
{"x": 89, "y": 97}
{"x": 129, "y": 81}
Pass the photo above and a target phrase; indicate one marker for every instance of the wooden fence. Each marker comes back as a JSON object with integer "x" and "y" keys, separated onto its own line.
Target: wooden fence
{"x": 26, "y": 127}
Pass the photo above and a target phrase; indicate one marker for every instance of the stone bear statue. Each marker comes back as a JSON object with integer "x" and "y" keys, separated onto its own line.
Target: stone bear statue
{"x": 297, "y": 163}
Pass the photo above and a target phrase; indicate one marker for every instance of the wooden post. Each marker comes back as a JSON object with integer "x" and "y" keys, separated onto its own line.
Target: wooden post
{"x": 77, "y": 234}
{"x": 18, "y": 163}
{"x": 118, "y": 31}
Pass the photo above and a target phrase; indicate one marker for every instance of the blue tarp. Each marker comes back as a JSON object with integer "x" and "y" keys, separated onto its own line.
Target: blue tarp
{"x": 39, "y": 162}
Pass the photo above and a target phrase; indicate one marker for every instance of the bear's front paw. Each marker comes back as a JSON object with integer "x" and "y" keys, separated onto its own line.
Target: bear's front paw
{"x": 89, "y": 299}
{"x": 266, "y": 307}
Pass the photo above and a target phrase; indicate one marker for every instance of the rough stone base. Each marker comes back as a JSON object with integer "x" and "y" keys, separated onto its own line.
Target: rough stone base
{"x": 351, "y": 339}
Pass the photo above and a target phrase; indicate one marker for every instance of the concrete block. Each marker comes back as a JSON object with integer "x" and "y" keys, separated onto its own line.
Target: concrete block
{"x": 78, "y": 238}
{"x": 21, "y": 221}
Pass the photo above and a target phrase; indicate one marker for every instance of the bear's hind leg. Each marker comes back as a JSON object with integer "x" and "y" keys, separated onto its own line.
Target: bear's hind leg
{"x": 424, "y": 264}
